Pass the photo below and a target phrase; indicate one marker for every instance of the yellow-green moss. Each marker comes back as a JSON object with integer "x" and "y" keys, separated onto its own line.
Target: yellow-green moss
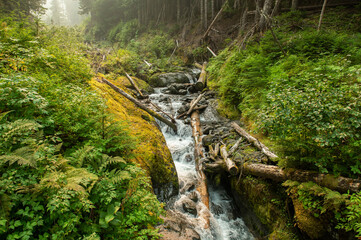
{"x": 268, "y": 206}
{"x": 152, "y": 153}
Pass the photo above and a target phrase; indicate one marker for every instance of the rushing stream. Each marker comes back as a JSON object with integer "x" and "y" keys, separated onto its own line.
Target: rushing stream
{"x": 224, "y": 220}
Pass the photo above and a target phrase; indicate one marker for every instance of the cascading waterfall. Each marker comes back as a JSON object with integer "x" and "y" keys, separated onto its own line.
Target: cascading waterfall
{"x": 224, "y": 222}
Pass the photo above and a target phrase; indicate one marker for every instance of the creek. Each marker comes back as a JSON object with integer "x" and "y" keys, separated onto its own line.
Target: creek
{"x": 225, "y": 221}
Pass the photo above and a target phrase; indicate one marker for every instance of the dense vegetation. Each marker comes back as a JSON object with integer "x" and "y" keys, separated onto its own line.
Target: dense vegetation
{"x": 306, "y": 100}
{"x": 64, "y": 162}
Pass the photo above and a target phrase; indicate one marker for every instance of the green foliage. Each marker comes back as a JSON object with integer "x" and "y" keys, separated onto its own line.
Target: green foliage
{"x": 64, "y": 161}
{"x": 307, "y": 101}
{"x": 351, "y": 218}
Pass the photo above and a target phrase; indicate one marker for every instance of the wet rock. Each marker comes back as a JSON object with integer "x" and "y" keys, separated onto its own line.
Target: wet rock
{"x": 163, "y": 80}
{"x": 207, "y": 140}
{"x": 176, "y": 226}
{"x": 189, "y": 206}
{"x": 193, "y": 196}
{"x": 217, "y": 209}
{"x": 182, "y": 92}
{"x": 188, "y": 158}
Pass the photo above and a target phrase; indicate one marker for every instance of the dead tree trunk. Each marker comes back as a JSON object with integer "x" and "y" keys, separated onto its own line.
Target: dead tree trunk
{"x": 141, "y": 106}
{"x": 194, "y": 103}
{"x": 231, "y": 166}
{"x": 294, "y": 5}
{"x": 276, "y": 8}
{"x": 134, "y": 85}
{"x": 254, "y": 141}
{"x": 267, "y": 7}
{"x": 198, "y": 153}
{"x": 213, "y": 22}
{"x": 200, "y": 84}
{"x": 275, "y": 173}
{"x": 321, "y": 15}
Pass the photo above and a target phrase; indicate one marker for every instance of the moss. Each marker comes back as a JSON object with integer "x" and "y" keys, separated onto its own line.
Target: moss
{"x": 152, "y": 153}
{"x": 305, "y": 221}
{"x": 268, "y": 204}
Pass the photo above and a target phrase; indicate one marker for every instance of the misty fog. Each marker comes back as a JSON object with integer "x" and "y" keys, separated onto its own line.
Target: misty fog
{"x": 62, "y": 12}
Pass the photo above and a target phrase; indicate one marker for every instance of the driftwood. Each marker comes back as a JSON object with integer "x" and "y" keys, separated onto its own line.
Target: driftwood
{"x": 194, "y": 103}
{"x": 277, "y": 174}
{"x": 254, "y": 141}
{"x": 194, "y": 109}
{"x": 141, "y": 106}
{"x": 134, "y": 84}
{"x": 235, "y": 146}
{"x": 231, "y": 166}
{"x": 201, "y": 83}
{"x": 198, "y": 153}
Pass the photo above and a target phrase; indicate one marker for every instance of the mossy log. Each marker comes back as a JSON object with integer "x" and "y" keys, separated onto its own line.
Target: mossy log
{"x": 231, "y": 166}
{"x": 141, "y": 106}
{"x": 199, "y": 154}
{"x": 254, "y": 141}
{"x": 201, "y": 83}
{"x": 277, "y": 174}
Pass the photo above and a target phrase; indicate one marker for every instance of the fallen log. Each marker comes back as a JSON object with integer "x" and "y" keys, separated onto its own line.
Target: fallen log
{"x": 198, "y": 154}
{"x": 254, "y": 141}
{"x": 277, "y": 174}
{"x": 235, "y": 146}
{"x": 141, "y": 106}
{"x": 160, "y": 110}
{"x": 201, "y": 83}
{"x": 194, "y": 103}
{"x": 134, "y": 84}
{"x": 231, "y": 166}
{"x": 148, "y": 64}
{"x": 198, "y": 65}
{"x": 194, "y": 109}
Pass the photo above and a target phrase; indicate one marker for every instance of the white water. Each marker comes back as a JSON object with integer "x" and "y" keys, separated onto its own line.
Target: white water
{"x": 225, "y": 225}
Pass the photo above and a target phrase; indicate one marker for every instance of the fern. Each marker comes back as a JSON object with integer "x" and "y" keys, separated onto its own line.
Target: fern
{"x": 22, "y": 156}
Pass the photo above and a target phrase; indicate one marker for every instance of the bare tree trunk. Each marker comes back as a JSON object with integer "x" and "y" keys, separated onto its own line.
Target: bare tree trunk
{"x": 178, "y": 11}
{"x": 134, "y": 84}
{"x": 212, "y": 7}
{"x": 244, "y": 18}
{"x": 202, "y": 13}
{"x": 267, "y": 7}
{"x": 294, "y": 5}
{"x": 205, "y": 14}
{"x": 276, "y": 8}
{"x": 321, "y": 15}
{"x": 212, "y": 23}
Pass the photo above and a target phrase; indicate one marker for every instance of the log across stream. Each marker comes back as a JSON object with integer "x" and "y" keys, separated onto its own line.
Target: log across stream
{"x": 222, "y": 220}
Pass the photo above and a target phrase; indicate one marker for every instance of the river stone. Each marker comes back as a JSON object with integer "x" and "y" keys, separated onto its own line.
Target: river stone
{"x": 189, "y": 206}
{"x": 163, "y": 80}
{"x": 193, "y": 196}
{"x": 176, "y": 226}
{"x": 207, "y": 140}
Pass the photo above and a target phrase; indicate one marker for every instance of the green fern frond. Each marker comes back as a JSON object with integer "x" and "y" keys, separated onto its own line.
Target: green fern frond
{"x": 109, "y": 161}
{"x": 18, "y": 128}
{"x": 2, "y": 115}
{"x": 80, "y": 155}
{"x": 118, "y": 176}
{"x": 21, "y": 156}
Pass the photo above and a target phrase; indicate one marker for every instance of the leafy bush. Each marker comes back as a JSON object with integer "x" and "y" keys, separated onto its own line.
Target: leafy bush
{"x": 307, "y": 101}
{"x": 64, "y": 161}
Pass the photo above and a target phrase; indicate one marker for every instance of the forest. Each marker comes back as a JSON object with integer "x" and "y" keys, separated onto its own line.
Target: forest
{"x": 80, "y": 161}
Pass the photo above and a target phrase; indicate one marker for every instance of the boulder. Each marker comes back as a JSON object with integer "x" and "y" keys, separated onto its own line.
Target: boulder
{"x": 163, "y": 80}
